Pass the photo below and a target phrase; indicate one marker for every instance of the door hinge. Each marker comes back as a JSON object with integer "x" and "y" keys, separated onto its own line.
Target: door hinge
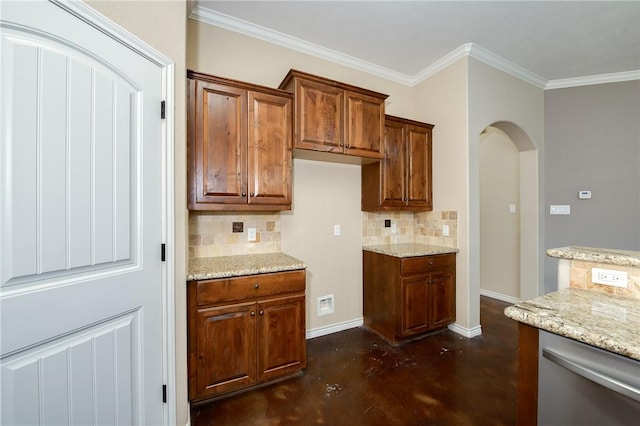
{"x": 164, "y": 393}
{"x": 162, "y": 110}
{"x": 163, "y": 252}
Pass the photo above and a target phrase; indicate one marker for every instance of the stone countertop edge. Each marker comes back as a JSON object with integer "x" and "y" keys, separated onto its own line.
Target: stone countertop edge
{"x": 409, "y": 249}
{"x": 597, "y": 255}
{"x": 605, "y": 321}
{"x": 207, "y": 268}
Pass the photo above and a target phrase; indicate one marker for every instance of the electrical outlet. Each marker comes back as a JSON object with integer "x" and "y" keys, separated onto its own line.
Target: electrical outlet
{"x": 609, "y": 277}
{"x": 387, "y": 223}
{"x": 336, "y": 230}
{"x": 445, "y": 230}
{"x": 394, "y": 228}
{"x": 237, "y": 226}
{"x": 251, "y": 234}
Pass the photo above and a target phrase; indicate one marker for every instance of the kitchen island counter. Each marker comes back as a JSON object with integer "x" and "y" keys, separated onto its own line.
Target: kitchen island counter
{"x": 207, "y": 268}
{"x": 602, "y": 320}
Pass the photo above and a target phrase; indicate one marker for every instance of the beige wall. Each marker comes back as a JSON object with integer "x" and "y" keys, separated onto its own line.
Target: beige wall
{"x": 517, "y": 108}
{"x": 442, "y": 100}
{"x": 163, "y": 26}
{"x": 499, "y": 228}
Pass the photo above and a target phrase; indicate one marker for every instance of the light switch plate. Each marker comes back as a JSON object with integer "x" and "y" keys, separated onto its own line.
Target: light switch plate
{"x": 559, "y": 209}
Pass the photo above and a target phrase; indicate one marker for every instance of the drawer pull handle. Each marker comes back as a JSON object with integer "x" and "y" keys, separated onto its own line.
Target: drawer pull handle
{"x": 430, "y": 262}
{"x": 256, "y": 286}
{"x": 261, "y": 312}
{"x": 253, "y": 314}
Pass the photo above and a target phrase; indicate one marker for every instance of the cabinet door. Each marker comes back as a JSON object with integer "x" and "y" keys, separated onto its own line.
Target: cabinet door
{"x": 393, "y": 165}
{"x": 415, "y": 307}
{"x": 364, "y": 124}
{"x": 269, "y": 149}
{"x": 225, "y": 353}
{"x": 442, "y": 298}
{"x": 419, "y": 167}
{"x": 319, "y": 117}
{"x": 281, "y": 336}
{"x": 218, "y": 144}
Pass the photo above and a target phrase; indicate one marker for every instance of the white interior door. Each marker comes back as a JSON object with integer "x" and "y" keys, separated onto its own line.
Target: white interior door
{"x": 80, "y": 221}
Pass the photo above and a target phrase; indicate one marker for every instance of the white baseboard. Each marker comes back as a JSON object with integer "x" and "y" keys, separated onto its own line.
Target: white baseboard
{"x": 466, "y": 332}
{"x": 334, "y": 328}
{"x": 503, "y": 297}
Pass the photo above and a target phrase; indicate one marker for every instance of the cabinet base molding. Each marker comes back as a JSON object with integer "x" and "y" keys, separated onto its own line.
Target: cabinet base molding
{"x": 209, "y": 400}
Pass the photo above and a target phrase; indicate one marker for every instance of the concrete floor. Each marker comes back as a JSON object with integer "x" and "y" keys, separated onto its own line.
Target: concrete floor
{"x": 356, "y": 378}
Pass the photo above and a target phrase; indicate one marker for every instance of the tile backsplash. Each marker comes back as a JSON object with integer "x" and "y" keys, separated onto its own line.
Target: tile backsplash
{"x": 211, "y": 234}
{"x": 423, "y": 228}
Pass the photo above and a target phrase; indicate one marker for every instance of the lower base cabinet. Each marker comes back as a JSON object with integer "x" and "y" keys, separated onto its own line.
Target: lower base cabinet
{"x": 244, "y": 331}
{"x": 404, "y": 298}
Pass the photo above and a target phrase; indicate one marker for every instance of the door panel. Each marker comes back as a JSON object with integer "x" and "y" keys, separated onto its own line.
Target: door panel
{"x": 419, "y": 167}
{"x": 281, "y": 334}
{"x": 415, "y": 311}
{"x": 80, "y": 213}
{"x": 393, "y": 166}
{"x": 269, "y": 149}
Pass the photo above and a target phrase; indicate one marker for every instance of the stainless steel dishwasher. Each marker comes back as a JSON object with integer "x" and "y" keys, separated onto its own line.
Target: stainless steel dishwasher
{"x": 582, "y": 385}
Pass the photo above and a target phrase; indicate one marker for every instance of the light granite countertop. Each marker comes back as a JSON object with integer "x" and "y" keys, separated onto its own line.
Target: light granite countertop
{"x": 207, "y": 268}
{"x": 409, "y": 249}
{"x": 598, "y": 255}
{"x": 602, "y": 320}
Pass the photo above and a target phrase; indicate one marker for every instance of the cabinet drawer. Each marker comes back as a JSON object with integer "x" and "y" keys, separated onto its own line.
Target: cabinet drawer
{"x": 248, "y": 287}
{"x": 417, "y": 265}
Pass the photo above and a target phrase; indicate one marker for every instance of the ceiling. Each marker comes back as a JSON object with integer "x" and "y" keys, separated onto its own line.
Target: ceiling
{"x": 545, "y": 42}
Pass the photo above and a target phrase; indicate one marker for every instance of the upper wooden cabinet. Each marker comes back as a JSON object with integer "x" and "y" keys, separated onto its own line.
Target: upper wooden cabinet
{"x": 337, "y": 118}
{"x": 402, "y": 179}
{"x": 239, "y": 145}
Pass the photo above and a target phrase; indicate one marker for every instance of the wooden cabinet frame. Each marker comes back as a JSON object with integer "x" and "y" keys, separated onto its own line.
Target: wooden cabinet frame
{"x": 239, "y": 145}
{"x": 402, "y": 180}
{"x": 343, "y": 122}
{"x": 244, "y": 332}
{"x": 407, "y": 297}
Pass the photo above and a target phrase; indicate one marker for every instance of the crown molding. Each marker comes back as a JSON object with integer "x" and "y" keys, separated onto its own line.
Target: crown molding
{"x": 475, "y": 51}
{"x": 247, "y": 28}
{"x": 593, "y": 79}
{"x": 498, "y": 62}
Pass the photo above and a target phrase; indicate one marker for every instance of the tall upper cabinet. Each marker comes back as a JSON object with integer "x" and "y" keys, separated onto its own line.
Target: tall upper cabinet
{"x": 402, "y": 179}
{"x": 334, "y": 117}
{"x": 239, "y": 145}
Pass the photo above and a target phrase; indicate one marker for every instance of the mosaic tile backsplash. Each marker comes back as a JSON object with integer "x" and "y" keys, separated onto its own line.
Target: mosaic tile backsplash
{"x": 421, "y": 228}
{"x": 211, "y": 234}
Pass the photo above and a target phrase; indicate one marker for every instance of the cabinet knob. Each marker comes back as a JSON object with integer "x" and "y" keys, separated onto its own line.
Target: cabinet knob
{"x": 261, "y": 312}
{"x": 256, "y": 285}
{"x": 244, "y": 194}
{"x": 430, "y": 262}
{"x": 251, "y": 194}
{"x": 430, "y": 282}
{"x": 253, "y": 314}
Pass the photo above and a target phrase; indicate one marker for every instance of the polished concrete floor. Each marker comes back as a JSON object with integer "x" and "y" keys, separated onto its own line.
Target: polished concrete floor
{"x": 356, "y": 378}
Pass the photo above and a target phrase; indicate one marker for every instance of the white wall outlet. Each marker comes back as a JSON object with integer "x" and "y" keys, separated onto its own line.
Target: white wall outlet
{"x": 445, "y": 230}
{"x": 336, "y": 230}
{"x": 512, "y": 208}
{"x": 394, "y": 228}
{"x": 251, "y": 234}
{"x": 325, "y": 305}
{"x": 559, "y": 209}
{"x": 609, "y": 277}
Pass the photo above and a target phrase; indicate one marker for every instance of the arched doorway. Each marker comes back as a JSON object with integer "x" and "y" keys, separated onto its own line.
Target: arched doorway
{"x": 509, "y": 223}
